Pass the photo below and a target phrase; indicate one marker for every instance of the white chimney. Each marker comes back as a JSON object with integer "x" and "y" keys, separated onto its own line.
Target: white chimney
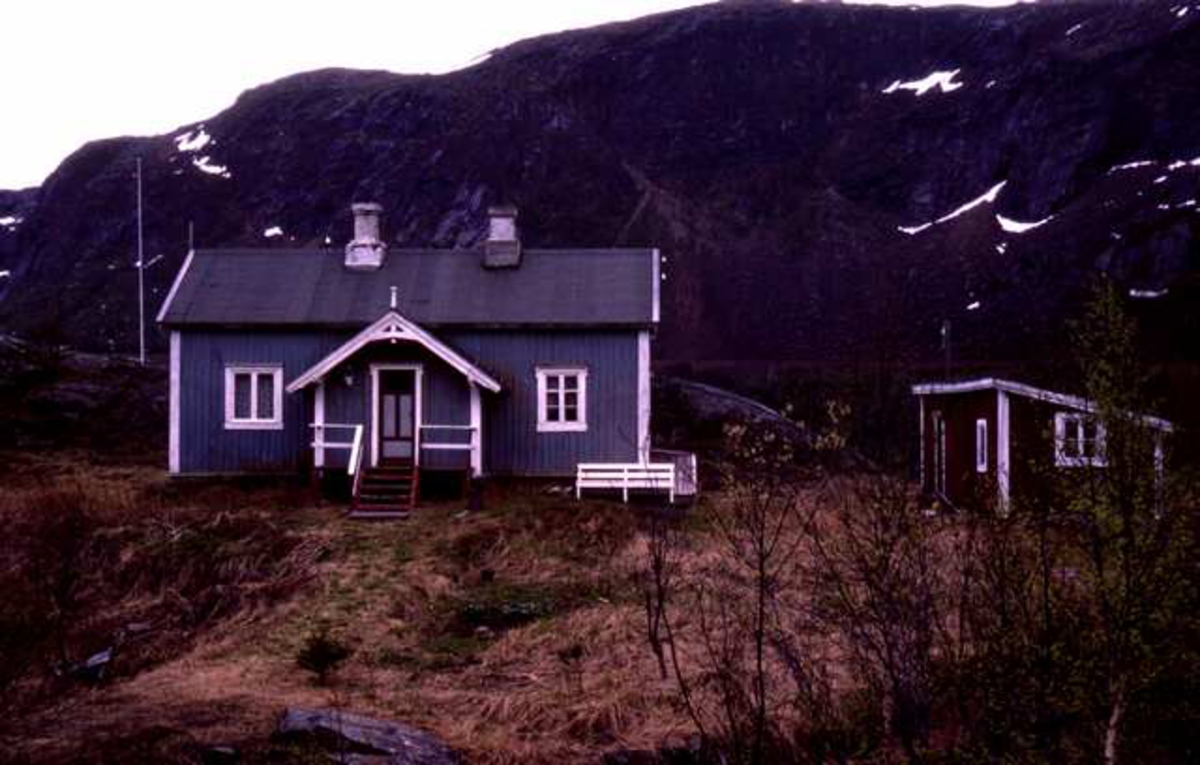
{"x": 366, "y": 250}
{"x": 503, "y": 246}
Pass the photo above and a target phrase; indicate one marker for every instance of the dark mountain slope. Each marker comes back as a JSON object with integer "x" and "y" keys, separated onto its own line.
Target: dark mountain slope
{"x": 754, "y": 143}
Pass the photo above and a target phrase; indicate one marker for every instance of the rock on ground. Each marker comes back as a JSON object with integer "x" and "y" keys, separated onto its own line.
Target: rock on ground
{"x": 364, "y": 739}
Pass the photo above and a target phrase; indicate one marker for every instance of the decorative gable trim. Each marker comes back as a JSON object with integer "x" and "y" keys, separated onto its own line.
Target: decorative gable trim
{"x": 393, "y": 327}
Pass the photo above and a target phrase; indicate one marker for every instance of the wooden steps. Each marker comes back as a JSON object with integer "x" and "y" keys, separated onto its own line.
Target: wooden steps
{"x": 387, "y": 491}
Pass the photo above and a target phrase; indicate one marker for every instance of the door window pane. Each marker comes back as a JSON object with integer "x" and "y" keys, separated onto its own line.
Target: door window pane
{"x": 406, "y": 416}
{"x": 389, "y": 415}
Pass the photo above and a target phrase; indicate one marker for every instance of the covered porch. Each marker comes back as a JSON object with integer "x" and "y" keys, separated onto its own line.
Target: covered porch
{"x": 388, "y": 404}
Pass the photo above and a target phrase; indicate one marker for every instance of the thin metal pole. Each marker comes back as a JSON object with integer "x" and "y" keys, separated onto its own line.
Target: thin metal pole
{"x": 946, "y": 345}
{"x": 141, "y": 267}
{"x": 191, "y": 236}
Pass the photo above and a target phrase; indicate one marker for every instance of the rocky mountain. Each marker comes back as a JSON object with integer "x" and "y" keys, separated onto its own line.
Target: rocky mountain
{"x": 828, "y": 183}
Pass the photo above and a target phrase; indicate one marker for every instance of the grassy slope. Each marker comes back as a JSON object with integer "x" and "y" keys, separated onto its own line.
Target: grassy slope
{"x": 407, "y": 596}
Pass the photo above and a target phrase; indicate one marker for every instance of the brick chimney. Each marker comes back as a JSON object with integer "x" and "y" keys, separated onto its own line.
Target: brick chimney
{"x": 502, "y": 249}
{"x": 366, "y": 250}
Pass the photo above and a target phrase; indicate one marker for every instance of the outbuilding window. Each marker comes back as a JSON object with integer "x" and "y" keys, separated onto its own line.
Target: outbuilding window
{"x": 253, "y": 398}
{"x": 562, "y": 399}
{"x": 981, "y": 445}
{"x": 1078, "y": 440}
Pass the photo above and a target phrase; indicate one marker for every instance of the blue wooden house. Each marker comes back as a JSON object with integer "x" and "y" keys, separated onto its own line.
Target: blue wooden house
{"x": 387, "y": 363}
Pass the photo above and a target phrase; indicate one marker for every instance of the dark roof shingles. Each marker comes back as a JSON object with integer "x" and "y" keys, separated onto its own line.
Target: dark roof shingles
{"x": 436, "y": 287}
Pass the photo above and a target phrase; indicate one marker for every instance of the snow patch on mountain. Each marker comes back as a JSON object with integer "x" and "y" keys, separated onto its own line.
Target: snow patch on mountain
{"x": 1131, "y": 165}
{"x": 1019, "y": 226}
{"x": 190, "y": 140}
{"x": 205, "y": 165}
{"x": 1147, "y": 294}
{"x": 988, "y": 197}
{"x": 940, "y": 79}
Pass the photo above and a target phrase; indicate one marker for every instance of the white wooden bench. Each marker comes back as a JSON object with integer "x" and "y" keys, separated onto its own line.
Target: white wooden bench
{"x": 655, "y": 476}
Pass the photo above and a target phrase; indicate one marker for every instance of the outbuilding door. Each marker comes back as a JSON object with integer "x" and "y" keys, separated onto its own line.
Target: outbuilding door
{"x": 397, "y": 415}
{"x": 939, "y": 454}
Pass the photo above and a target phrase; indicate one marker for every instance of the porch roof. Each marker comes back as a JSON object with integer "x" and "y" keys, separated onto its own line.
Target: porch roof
{"x": 393, "y": 327}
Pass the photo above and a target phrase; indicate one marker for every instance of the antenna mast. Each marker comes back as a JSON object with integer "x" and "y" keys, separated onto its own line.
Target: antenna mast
{"x": 141, "y": 269}
{"x": 946, "y": 345}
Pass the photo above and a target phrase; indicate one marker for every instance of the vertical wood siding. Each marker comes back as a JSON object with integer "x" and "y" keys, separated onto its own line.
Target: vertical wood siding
{"x": 205, "y": 445}
{"x": 511, "y": 443}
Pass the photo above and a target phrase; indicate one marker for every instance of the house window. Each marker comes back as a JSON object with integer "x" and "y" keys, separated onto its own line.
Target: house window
{"x": 1078, "y": 440}
{"x": 981, "y": 446}
{"x": 253, "y": 398}
{"x": 562, "y": 399}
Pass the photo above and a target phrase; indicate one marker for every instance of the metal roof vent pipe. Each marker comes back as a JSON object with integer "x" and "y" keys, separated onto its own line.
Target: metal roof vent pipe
{"x": 502, "y": 249}
{"x": 366, "y": 250}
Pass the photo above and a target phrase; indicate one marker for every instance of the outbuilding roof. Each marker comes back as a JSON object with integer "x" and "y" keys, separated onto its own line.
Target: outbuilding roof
{"x": 1028, "y": 391}
{"x": 550, "y": 288}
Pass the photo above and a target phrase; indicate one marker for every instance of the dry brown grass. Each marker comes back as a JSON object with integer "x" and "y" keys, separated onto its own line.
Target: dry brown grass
{"x": 572, "y": 680}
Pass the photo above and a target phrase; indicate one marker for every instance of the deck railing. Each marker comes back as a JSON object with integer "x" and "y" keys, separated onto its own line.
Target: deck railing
{"x": 355, "y": 445}
{"x": 449, "y": 445}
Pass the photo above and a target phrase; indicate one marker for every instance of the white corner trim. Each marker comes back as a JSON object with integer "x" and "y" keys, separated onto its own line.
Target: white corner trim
{"x": 187, "y": 263}
{"x": 1003, "y": 445}
{"x": 545, "y": 425}
{"x": 656, "y": 288}
{"x": 393, "y": 327}
{"x": 319, "y": 422}
{"x": 418, "y": 371}
{"x": 476, "y": 431}
{"x": 173, "y": 402}
{"x": 256, "y": 372}
{"x": 644, "y": 390}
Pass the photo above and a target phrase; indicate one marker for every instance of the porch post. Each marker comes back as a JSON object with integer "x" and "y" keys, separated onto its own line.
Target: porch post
{"x": 319, "y": 425}
{"x": 476, "y": 431}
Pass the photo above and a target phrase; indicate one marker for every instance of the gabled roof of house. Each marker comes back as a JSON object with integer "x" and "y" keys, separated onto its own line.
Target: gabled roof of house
{"x": 1028, "y": 391}
{"x": 560, "y": 288}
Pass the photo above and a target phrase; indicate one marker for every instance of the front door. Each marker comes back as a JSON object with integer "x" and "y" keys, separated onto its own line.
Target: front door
{"x": 397, "y": 415}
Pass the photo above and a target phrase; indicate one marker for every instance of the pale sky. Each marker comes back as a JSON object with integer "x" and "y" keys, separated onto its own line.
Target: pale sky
{"x": 77, "y": 70}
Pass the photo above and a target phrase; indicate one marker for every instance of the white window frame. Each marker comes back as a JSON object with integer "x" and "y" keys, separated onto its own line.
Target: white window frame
{"x": 981, "y": 445}
{"x": 1081, "y": 459}
{"x": 253, "y": 422}
{"x": 546, "y": 425}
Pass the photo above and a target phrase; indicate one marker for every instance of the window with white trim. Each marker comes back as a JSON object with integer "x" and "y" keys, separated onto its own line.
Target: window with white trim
{"x": 253, "y": 398}
{"x": 981, "y": 445}
{"x": 562, "y": 399}
{"x": 1078, "y": 440}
